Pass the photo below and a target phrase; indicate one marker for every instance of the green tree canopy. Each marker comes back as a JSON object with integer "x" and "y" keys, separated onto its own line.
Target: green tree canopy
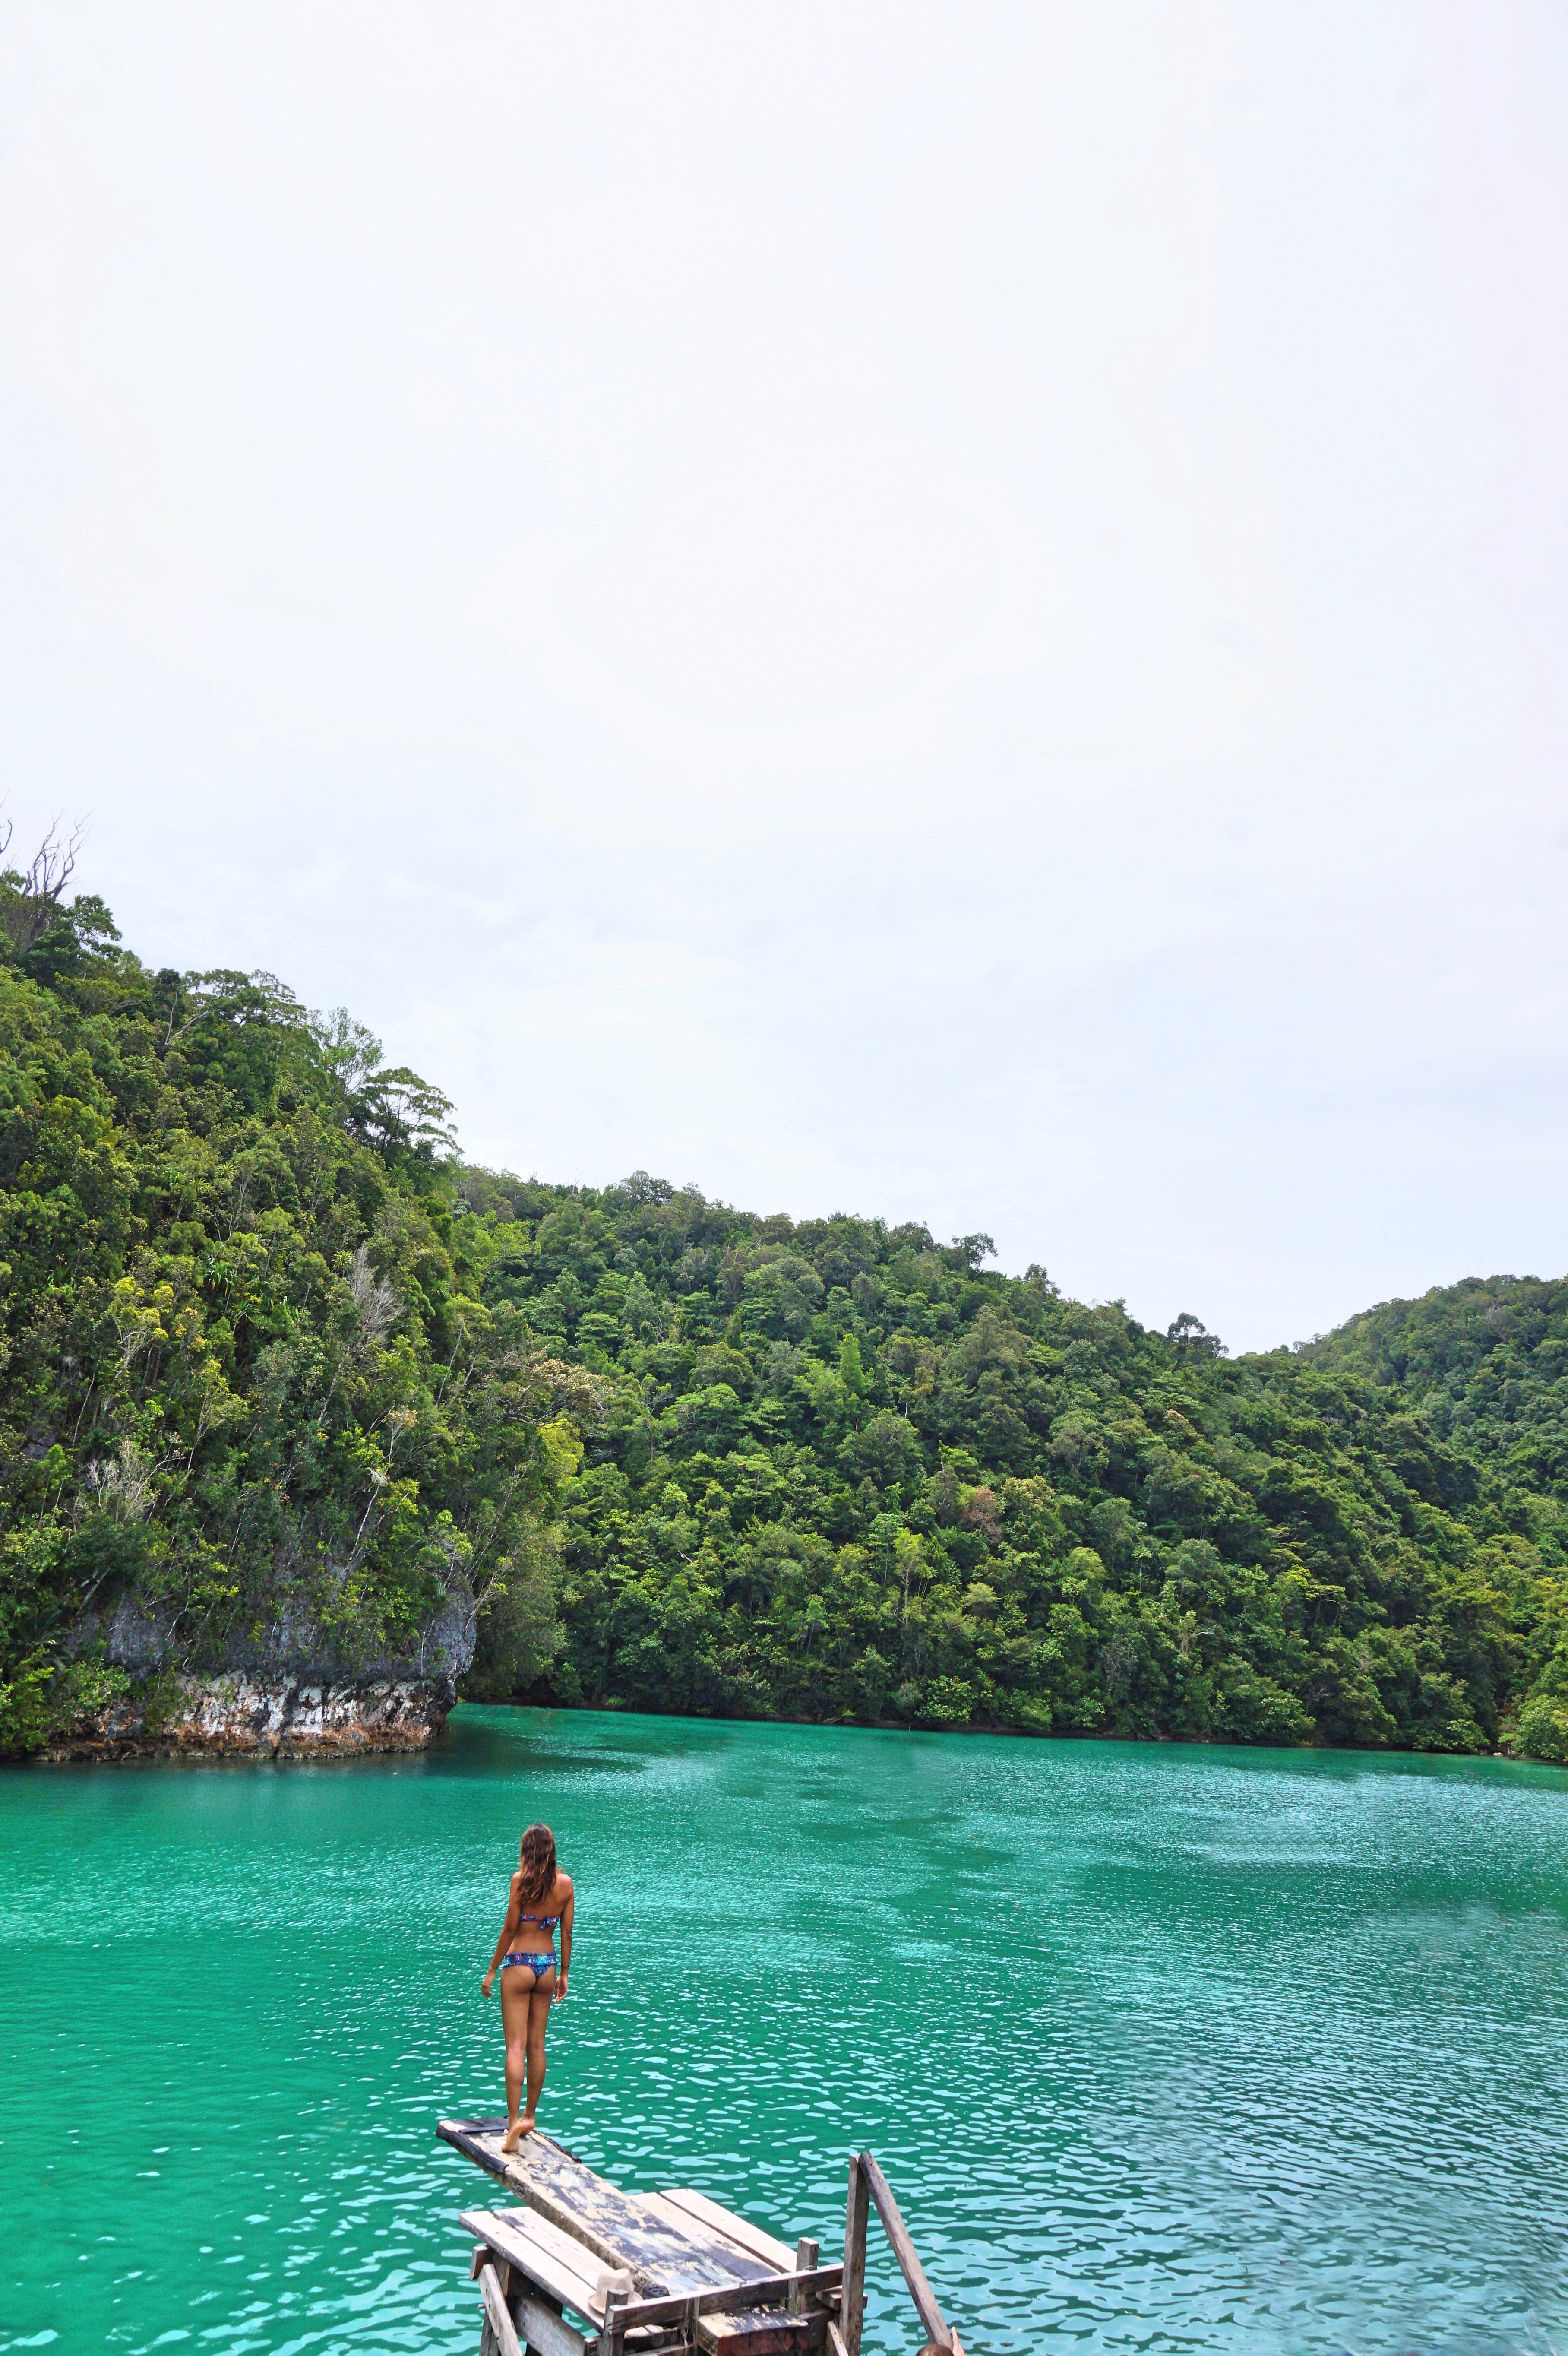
{"x": 285, "y": 1380}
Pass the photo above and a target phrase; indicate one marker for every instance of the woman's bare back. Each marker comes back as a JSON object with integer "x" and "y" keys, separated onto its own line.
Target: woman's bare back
{"x": 530, "y": 1924}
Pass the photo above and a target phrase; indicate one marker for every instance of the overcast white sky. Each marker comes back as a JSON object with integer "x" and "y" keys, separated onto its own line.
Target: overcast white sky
{"x": 947, "y": 610}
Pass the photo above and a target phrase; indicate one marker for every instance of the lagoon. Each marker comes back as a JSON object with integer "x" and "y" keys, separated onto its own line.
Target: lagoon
{"x": 1162, "y": 2047}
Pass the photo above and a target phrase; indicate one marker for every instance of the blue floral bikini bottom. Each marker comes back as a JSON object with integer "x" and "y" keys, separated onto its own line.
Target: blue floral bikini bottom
{"x": 540, "y": 1962}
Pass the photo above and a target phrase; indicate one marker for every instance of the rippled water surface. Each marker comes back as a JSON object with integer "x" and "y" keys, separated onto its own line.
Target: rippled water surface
{"x": 1162, "y": 2049}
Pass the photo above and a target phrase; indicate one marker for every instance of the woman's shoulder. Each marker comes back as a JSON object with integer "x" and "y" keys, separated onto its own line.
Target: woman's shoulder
{"x": 563, "y": 1887}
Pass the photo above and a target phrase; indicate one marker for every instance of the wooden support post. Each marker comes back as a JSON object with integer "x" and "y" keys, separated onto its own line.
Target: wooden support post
{"x": 500, "y": 2333}
{"x": 938, "y": 2336}
{"x": 538, "y": 2319}
{"x": 613, "y": 2339}
{"x": 852, "y": 2304}
{"x": 805, "y": 2254}
{"x": 542, "y": 2331}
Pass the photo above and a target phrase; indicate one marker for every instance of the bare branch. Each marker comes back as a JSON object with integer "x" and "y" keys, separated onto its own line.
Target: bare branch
{"x": 53, "y": 863}
{"x": 33, "y": 900}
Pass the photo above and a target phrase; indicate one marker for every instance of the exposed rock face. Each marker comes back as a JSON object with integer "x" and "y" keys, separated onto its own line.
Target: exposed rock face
{"x": 283, "y": 1695}
{"x": 272, "y": 1716}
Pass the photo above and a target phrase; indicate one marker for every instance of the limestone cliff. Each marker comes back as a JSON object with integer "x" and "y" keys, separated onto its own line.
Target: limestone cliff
{"x": 275, "y": 1717}
{"x": 290, "y": 1694}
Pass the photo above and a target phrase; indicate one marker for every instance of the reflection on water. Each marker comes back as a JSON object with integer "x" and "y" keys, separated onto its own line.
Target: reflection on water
{"x": 1162, "y": 2049}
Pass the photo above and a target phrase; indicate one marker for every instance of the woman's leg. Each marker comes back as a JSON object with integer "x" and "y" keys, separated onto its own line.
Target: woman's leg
{"x": 517, "y": 1993}
{"x": 538, "y": 2013}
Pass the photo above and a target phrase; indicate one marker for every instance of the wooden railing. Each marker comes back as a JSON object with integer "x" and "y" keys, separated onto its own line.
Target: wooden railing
{"x": 867, "y": 2184}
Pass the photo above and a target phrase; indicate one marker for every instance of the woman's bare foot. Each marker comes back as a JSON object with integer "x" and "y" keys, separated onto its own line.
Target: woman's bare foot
{"x": 514, "y": 2135}
{"x": 526, "y": 2124}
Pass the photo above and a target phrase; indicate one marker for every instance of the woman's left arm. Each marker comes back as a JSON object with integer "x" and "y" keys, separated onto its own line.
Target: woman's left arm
{"x": 566, "y": 1914}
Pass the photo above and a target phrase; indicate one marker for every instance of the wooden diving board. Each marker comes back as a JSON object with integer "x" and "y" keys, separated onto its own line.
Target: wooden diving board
{"x": 645, "y": 2271}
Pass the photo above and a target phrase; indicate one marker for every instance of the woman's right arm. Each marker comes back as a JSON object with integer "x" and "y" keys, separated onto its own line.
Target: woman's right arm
{"x": 567, "y": 1912}
{"x": 507, "y": 1927}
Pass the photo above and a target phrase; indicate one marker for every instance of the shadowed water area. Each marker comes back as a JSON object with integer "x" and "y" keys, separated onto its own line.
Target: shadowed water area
{"x": 1162, "y": 2047}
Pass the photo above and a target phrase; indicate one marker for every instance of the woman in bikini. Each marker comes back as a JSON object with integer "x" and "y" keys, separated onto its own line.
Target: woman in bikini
{"x": 531, "y": 1982}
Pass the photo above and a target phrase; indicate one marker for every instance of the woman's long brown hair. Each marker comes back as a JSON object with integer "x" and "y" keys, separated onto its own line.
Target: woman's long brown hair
{"x": 539, "y": 1864}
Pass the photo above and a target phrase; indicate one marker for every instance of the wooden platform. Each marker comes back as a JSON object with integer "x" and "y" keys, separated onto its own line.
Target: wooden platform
{"x": 642, "y": 2271}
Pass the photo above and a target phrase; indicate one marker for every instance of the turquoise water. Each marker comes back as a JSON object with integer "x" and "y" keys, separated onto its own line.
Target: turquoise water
{"x": 1162, "y": 2048}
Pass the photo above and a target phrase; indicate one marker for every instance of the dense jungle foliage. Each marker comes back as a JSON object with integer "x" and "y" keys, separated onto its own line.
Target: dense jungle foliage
{"x": 285, "y": 1379}
{"x": 847, "y": 1472}
{"x": 252, "y": 1410}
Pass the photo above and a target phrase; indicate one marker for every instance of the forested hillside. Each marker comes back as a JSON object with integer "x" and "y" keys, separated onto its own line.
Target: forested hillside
{"x": 847, "y": 1472}
{"x": 285, "y": 1378}
{"x": 252, "y": 1411}
{"x": 1485, "y": 1366}
{"x": 1487, "y": 1361}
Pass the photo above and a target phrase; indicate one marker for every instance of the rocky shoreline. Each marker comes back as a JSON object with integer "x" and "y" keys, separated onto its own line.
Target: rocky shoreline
{"x": 267, "y": 1717}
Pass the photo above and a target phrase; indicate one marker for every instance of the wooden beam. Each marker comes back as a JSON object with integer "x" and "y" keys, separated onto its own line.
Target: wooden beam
{"x": 852, "y": 2307}
{"x": 913, "y": 2273}
{"x": 760, "y": 2331}
{"x": 503, "y": 2330}
{"x": 486, "y": 2256}
{"x": 543, "y": 2329}
{"x": 770, "y": 2289}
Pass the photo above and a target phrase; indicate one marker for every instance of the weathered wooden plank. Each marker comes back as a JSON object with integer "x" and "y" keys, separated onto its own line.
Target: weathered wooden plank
{"x": 913, "y": 2273}
{"x": 661, "y": 2251}
{"x": 542, "y": 2330}
{"x": 617, "y": 2226}
{"x": 511, "y": 2237}
{"x": 502, "y": 2329}
{"x": 568, "y": 2281}
{"x": 852, "y": 2306}
{"x": 760, "y": 2331}
{"x": 835, "y": 2340}
{"x": 709, "y": 2241}
{"x": 559, "y": 2188}
{"x": 565, "y": 2247}
{"x": 730, "y": 2296}
{"x": 755, "y": 2239}
{"x": 536, "y": 2162}
{"x": 476, "y": 2139}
